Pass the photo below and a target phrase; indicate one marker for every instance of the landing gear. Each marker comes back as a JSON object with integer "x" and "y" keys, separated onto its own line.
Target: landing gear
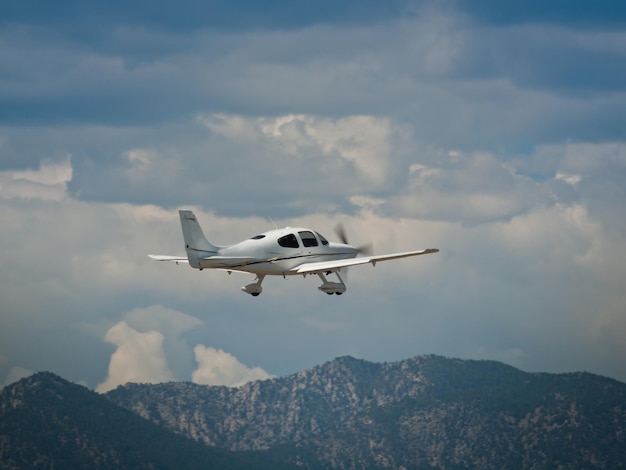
{"x": 255, "y": 288}
{"x": 331, "y": 288}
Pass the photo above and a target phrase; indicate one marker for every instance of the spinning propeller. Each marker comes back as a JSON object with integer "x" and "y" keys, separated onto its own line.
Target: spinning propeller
{"x": 361, "y": 249}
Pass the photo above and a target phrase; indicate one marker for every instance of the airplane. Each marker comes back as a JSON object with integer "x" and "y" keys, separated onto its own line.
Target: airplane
{"x": 281, "y": 252}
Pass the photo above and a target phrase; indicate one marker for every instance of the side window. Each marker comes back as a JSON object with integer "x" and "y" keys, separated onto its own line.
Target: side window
{"x": 289, "y": 241}
{"x": 322, "y": 239}
{"x": 308, "y": 239}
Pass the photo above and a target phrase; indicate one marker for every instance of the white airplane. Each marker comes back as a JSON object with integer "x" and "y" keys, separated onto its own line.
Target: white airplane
{"x": 281, "y": 252}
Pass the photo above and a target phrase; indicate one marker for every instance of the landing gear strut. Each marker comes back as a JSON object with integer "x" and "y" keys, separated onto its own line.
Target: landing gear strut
{"x": 331, "y": 288}
{"x": 254, "y": 289}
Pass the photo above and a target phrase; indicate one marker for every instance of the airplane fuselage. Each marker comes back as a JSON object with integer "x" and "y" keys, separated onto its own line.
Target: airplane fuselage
{"x": 278, "y": 252}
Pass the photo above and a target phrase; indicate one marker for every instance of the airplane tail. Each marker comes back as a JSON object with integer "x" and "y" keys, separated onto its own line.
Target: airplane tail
{"x": 196, "y": 244}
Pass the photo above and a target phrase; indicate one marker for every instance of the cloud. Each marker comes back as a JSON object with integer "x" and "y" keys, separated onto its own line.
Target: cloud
{"x": 146, "y": 350}
{"x": 176, "y": 327}
{"x": 471, "y": 188}
{"x": 360, "y": 140}
{"x": 505, "y": 279}
{"x": 489, "y": 133}
{"x": 568, "y": 178}
{"x": 49, "y": 182}
{"x": 311, "y": 162}
{"x": 216, "y": 367}
{"x": 461, "y": 81}
{"x": 159, "y": 318}
{"x": 139, "y": 357}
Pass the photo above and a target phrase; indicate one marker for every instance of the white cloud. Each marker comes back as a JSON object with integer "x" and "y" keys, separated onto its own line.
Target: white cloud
{"x": 49, "y": 182}
{"x": 509, "y": 283}
{"x": 159, "y": 318}
{"x": 217, "y": 367}
{"x": 584, "y": 159}
{"x": 471, "y": 188}
{"x": 568, "y": 178}
{"x": 139, "y": 357}
{"x": 360, "y": 140}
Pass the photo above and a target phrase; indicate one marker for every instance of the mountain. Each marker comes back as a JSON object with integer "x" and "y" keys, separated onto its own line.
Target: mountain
{"x": 425, "y": 412}
{"x": 48, "y": 422}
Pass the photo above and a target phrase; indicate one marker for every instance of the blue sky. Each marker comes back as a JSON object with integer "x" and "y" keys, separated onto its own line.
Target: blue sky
{"x": 493, "y": 133}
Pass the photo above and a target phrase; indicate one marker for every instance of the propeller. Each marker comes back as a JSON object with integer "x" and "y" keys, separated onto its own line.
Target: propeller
{"x": 361, "y": 249}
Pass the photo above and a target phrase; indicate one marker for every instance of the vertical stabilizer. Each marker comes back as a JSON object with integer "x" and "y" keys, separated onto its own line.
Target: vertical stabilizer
{"x": 196, "y": 244}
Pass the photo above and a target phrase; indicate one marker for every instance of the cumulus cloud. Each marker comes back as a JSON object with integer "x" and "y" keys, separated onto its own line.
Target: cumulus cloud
{"x": 470, "y": 188}
{"x": 314, "y": 163}
{"x": 139, "y": 357}
{"x": 150, "y": 339}
{"x": 217, "y": 367}
{"x": 505, "y": 280}
{"x": 48, "y": 182}
{"x": 360, "y": 140}
{"x": 157, "y": 317}
{"x": 176, "y": 327}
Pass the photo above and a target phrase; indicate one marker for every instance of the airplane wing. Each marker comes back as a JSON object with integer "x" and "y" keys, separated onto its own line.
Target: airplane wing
{"x": 324, "y": 266}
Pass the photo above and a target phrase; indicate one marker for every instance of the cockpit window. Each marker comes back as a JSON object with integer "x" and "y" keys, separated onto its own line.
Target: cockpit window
{"x": 308, "y": 239}
{"x": 322, "y": 239}
{"x": 289, "y": 241}
{"x": 257, "y": 237}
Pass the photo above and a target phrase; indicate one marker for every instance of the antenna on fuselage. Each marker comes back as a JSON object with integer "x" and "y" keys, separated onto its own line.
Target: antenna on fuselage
{"x": 273, "y": 223}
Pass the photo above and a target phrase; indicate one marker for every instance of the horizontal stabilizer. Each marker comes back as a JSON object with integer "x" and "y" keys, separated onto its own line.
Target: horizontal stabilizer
{"x": 169, "y": 258}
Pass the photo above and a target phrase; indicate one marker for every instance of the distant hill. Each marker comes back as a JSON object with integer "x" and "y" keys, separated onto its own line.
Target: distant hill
{"x": 425, "y": 412}
{"x": 48, "y": 422}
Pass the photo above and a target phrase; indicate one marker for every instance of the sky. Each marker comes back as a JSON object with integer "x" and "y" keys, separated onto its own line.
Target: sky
{"x": 496, "y": 133}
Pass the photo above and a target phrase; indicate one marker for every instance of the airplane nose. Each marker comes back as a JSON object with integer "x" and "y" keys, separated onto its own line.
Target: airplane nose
{"x": 345, "y": 249}
{"x": 353, "y": 249}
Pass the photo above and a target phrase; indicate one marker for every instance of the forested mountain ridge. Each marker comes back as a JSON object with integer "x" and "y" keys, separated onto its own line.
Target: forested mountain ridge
{"x": 48, "y": 422}
{"x": 424, "y": 412}
{"x": 428, "y": 411}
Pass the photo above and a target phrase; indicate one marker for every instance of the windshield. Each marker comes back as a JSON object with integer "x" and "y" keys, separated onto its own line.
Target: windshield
{"x": 322, "y": 239}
